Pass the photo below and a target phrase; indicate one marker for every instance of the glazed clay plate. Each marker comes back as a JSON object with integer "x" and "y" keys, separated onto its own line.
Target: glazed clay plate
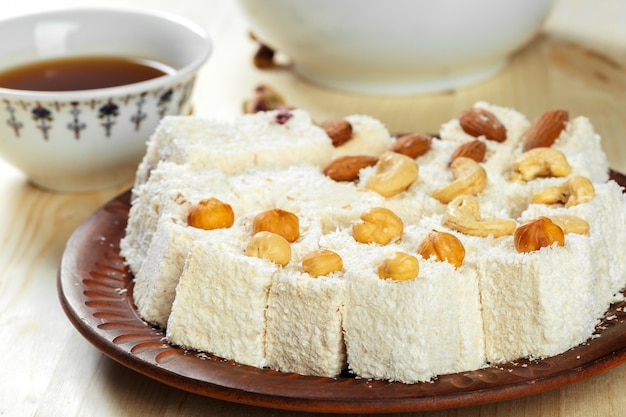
{"x": 95, "y": 290}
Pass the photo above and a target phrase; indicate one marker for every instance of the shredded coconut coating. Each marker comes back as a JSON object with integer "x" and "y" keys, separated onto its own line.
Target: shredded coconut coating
{"x": 499, "y": 305}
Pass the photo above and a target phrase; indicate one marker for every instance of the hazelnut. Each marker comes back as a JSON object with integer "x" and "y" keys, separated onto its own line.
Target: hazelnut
{"x": 536, "y": 234}
{"x": 278, "y": 221}
{"x": 377, "y": 225}
{"x": 399, "y": 266}
{"x": 269, "y": 246}
{"x": 210, "y": 214}
{"x": 442, "y": 246}
{"x": 322, "y": 262}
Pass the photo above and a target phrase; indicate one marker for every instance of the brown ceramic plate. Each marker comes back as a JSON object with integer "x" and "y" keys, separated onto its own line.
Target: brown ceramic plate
{"x": 95, "y": 290}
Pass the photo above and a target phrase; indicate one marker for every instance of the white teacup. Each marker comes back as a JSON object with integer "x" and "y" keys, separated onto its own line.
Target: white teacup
{"x": 93, "y": 138}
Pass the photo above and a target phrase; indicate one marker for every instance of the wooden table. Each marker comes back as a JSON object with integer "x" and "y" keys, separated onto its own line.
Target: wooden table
{"x": 48, "y": 369}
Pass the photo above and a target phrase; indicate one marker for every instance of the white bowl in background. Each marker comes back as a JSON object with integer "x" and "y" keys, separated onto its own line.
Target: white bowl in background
{"x": 396, "y": 46}
{"x": 91, "y": 139}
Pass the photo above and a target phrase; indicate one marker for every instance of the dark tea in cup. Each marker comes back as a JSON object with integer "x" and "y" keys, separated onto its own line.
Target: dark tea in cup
{"x": 81, "y": 73}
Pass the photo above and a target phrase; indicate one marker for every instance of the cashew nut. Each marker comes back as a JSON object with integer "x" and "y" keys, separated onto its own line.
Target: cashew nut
{"x": 540, "y": 162}
{"x": 575, "y": 190}
{"x": 470, "y": 178}
{"x": 394, "y": 173}
{"x": 463, "y": 215}
{"x": 571, "y": 224}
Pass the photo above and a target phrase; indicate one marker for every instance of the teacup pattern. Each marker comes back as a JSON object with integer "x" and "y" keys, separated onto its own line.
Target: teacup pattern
{"x": 104, "y": 114}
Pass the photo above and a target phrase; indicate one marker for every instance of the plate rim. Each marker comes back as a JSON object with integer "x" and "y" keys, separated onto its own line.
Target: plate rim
{"x": 94, "y": 287}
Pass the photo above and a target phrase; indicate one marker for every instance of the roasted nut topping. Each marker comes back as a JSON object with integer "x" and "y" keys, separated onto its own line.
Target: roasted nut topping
{"x": 575, "y": 190}
{"x": 480, "y": 122}
{"x": 399, "y": 266}
{"x": 377, "y": 225}
{"x": 475, "y": 150}
{"x": 270, "y": 246}
{"x": 540, "y": 162}
{"x": 412, "y": 145}
{"x": 545, "y": 129}
{"x": 347, "y": 168}
{"x": 537, "y": 234}
{"x": 571, "y": 224}
{"x": 264, "y": 56}
{"x": 470, "y": 178}
{"x": 580, "y": 190}
{"x": 322, "y": 262}
{"x": 463, "y": 215}
{"x": 339, "y": 131}
{"x": 277, "y": 221}
{"x": 443, "y": 246}
{"x": 265, "y": 98}
{"x": 210, "y": 214}
{"x": 394, "y": 173}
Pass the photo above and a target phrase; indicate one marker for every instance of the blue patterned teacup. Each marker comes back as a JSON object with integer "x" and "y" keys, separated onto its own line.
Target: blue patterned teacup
{"x": 90, "y": 139}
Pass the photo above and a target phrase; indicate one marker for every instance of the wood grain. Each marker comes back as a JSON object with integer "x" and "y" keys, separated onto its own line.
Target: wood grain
{"x": 48, "y": 369}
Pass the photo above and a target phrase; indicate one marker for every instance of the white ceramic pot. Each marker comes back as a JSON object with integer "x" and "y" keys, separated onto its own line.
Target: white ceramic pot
{"x": 396, "y": 46}
{"x": 90, "y": 139}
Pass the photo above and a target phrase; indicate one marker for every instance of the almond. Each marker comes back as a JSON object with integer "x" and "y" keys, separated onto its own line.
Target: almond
{"x": 480, "y": 122}
{"x": 475, "y": 150}
{"x": 264, "y": 57}
{"x": 545, "y": 129}
{"x": 412, "y": 145}
{"x": 339, "y": 131}
{"x": 346, "y": 168}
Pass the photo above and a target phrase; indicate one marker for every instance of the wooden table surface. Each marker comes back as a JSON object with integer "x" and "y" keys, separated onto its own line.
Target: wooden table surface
{"x": 48, "y": 369}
